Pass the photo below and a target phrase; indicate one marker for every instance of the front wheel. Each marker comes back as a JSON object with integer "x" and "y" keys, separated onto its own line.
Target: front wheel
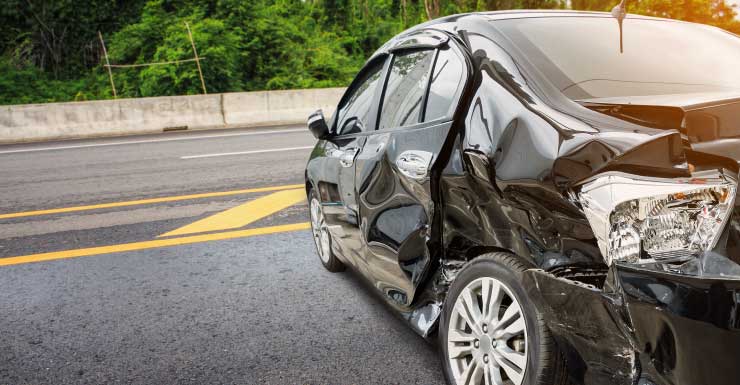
{"x": 491, "y": 333}
{"x": 321, "y": 235}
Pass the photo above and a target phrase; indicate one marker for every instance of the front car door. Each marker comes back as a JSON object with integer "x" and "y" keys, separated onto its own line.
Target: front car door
{"x": 395, "y": 169}
{"x": 335, "y": 172}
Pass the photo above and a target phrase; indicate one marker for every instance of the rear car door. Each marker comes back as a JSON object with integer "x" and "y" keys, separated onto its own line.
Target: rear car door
{"x": 354, "y": 117}
{"x": 396, "y": 165}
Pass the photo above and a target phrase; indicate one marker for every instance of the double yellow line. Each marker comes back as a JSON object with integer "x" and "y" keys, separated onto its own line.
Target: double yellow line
{"x": 147, "y": 201}
{"x": 236, "y": 217}
{"x": 150, "y": 244}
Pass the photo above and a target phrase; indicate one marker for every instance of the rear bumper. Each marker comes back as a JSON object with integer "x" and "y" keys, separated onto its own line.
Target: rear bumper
{"x": 644, "y": 327}
{"x": 686, "y": 329}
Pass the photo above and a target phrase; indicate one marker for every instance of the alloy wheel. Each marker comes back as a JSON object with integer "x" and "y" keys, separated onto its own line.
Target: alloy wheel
{"x": 487, "y": 335}
{"x": 320, "y": 231}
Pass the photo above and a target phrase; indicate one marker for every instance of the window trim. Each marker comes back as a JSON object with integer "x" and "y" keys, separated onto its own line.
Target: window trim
{"x": 380, "y": 92}
{"x": 425, "y": 39}
{"x": 422, "y": 116}
{"x": 353, "y": 87}
{"x": 389, "y": 65}
{"x": 430, "y": 75}
{"x": 449, "y": 115}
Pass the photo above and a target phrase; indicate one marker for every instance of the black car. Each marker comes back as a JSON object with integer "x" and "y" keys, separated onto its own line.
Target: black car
{"x": 550, "y": 194}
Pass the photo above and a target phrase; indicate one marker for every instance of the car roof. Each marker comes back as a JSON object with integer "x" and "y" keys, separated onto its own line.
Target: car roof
{"x": 514, "y": 14}
{"x": 552, "y": 13}
{"x": 528, "y": 13}
{"x": 501, "y": 15}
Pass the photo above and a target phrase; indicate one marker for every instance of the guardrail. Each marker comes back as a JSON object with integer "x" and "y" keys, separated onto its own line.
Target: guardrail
{"x": 36, "y": 122}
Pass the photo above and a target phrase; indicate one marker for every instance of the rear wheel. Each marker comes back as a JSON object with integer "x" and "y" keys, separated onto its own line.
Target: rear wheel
{"x": 321, "y": 235}
{"x": 491, "y": 333}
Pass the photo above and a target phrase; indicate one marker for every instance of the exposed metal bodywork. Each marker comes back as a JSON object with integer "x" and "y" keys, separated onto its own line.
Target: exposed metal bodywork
{"x": 503, "y": 177}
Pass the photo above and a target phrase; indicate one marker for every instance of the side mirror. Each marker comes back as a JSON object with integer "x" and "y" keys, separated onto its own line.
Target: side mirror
{"x": 317, "y": 125}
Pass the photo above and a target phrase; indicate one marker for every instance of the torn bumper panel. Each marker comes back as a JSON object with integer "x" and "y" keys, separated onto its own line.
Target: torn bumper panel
{"x": 687, "y": 329}
{"x": 644, "y": 326}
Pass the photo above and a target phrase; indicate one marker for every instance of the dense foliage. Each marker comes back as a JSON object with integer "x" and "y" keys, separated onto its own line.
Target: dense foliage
{"x": 50, "y": 51}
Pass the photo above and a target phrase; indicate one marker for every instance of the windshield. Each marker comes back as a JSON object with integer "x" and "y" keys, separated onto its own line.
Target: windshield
{"x": 580, "y": 55}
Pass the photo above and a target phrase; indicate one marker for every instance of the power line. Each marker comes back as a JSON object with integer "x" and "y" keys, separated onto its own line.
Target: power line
{"x": 107, "y": 64}
{"x": 152, "y": 64}
{"x": 195, "y": 59}
{"x": 197, "y": 62}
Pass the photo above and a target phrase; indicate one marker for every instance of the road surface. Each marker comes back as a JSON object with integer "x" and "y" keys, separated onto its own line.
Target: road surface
{"x": 182, "y": 258}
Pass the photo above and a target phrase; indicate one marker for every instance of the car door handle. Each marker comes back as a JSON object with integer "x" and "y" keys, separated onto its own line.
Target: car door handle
{"x": 414, "y": 164}
{"x": 347, "y": 157}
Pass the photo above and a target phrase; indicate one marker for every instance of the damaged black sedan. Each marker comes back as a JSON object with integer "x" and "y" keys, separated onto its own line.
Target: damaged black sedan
{"x": 551, "y": 195}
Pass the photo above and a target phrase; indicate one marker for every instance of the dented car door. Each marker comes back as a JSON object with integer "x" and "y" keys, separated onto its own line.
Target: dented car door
{"x": 396, "y": 166}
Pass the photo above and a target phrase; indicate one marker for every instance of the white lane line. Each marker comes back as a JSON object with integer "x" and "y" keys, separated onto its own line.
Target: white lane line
{"x": 245, "y": 152}
{"x": 179, "y": 138}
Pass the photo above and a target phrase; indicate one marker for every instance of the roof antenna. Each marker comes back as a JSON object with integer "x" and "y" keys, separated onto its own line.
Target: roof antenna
{"x": 620, "y": 13}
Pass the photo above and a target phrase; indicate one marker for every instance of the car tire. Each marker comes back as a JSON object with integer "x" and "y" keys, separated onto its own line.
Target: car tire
{"x": 321, "y": 235}
{"x": 467, "y": 356}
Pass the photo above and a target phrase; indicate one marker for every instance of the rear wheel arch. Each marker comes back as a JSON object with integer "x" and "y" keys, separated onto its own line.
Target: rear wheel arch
{"x": 321, "y": 235}
{"x": 309, "y": 186}
{"x": 478, "y": 251}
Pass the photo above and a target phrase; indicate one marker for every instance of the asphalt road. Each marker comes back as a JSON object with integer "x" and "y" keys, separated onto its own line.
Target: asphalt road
{"x": 167, "y": 259}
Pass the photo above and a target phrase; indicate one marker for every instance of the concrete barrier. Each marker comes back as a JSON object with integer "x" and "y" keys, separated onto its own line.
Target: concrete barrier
{"x": 35, "y": 122}
{"x": 278, "y": 107}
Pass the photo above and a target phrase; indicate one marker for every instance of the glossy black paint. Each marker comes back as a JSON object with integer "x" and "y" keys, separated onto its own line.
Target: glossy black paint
{"x": 317, "y": 125}
{"x": 505, "y": 169}
{"x": 710, "y": 121}
{"x": 686, "y": 329}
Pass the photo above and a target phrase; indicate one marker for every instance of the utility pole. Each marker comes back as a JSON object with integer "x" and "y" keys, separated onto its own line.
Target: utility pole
{"x": 107, "y": 65}
{"x": 197, "y": 61}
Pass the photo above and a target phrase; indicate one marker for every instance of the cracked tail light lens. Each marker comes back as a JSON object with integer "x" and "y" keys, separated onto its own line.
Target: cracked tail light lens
{"x": 647, "y": 219}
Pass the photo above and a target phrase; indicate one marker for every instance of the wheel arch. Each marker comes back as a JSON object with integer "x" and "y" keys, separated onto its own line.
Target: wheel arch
{"x": 308, "y": 184}
{"x": 552, "y": 364}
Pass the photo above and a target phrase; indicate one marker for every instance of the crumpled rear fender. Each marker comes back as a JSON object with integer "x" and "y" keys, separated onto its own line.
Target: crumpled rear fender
{"x": 589, "y": 326}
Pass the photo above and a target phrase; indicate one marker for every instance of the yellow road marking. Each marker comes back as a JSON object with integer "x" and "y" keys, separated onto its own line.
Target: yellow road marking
{"x": 151, "y": 244}
{"x": 244, "y": 214}
{"x": 147, "y": 201}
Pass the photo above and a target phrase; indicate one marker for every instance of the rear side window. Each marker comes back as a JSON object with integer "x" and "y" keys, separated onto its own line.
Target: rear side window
{"x": 446, "y": 83}
{"x": 404, "y": 94}
{"x": 354, "y": 115}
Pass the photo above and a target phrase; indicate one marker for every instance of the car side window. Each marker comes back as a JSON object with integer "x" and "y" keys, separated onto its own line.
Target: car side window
{"x": 404, "y": 93}
{"x": 354, "y": 115}
{"x": 446, "y": 84}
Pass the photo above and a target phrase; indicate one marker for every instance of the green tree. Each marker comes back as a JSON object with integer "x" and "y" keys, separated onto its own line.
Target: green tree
{"x": 594, "y": 5}
{"x": 60, "y": 37}
{"x": 49, "y": 50}
{"x": 713, "y": 12}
